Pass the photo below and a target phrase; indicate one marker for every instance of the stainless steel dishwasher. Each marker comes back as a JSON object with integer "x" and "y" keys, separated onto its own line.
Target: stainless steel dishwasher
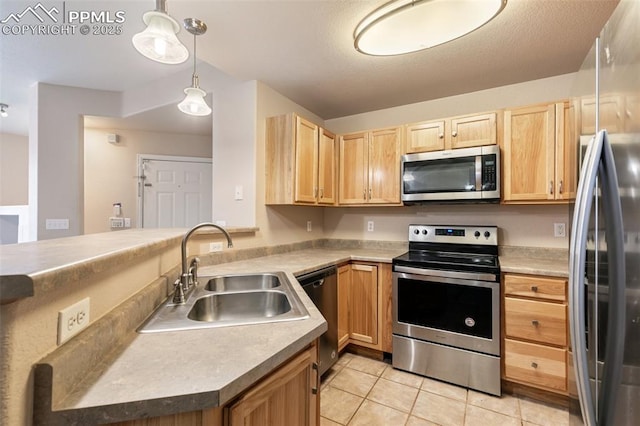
{"x": 322, "y": 288}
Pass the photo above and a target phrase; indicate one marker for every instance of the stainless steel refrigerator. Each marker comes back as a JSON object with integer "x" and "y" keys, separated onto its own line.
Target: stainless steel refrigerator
{"x": 604, "y": 276}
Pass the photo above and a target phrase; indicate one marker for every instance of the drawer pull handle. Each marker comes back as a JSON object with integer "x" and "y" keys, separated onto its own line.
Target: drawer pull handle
{"x": 534, "y": 364}
{"x": 534, "y": 288}
{"x": 535, "y": 323}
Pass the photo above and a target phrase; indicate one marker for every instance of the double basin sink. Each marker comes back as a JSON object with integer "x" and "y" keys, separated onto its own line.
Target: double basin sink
{"x": 230, "y": 300}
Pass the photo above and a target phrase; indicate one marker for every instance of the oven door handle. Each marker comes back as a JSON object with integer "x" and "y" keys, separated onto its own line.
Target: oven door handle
{"x": 445, "y": 274}
{"x": 444, "y": 280}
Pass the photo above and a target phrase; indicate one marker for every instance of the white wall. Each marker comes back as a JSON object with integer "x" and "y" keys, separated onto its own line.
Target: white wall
{"x": 110, "y": 169}
{"x": 14, "y": 170}
{"x": 56, "y": 152}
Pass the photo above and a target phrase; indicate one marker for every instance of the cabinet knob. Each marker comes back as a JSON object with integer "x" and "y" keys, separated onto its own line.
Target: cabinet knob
{"x": 534, "y": 364}
{"x": 369, "y": 193}
{"x": 551, "y": 187}
{"x": 364, "y": 194}
{"x": 321, "y": 192}
{"x": 454, "y": 134}
{"x": 535, "y": 323}
{"x": 534, "y": 288}
{"x": 441, "y": 135}
{"x": 560, "y": 188}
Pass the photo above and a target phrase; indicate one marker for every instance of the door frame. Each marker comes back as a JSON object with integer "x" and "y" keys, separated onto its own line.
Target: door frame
{"x": 140, "y": 158}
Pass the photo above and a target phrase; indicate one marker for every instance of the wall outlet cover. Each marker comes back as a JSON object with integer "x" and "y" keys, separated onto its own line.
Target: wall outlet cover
{"x": 73, "y": 319}
{"x": 560, "y": 230}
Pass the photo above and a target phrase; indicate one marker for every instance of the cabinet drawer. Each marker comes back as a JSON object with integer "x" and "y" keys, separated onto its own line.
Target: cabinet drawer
{"x": 534, "y": 364}
{"x": 542, "y": 322}
{"x": 554, "y": 289}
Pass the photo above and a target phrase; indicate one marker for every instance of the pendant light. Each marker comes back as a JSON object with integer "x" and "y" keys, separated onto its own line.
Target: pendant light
{"x": 158, "y": 41}
{"x": 194, "y": 103}
{"x": 405, "y": 26}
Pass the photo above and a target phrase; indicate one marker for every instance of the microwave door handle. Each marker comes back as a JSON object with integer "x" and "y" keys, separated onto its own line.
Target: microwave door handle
{"x": 478, "y": 172}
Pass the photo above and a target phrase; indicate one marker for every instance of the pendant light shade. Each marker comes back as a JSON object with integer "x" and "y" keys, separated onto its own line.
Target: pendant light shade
{"x": 158, "y": 41}
{"x": 194, "y": 103}
{"x": 405, "y": 26}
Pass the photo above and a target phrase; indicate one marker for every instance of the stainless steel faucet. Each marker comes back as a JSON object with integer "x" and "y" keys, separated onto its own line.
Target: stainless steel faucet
{"x": 188, "y": 278}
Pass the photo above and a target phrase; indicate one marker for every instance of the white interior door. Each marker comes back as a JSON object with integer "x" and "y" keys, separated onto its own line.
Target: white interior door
{"x": 175, "y": 192}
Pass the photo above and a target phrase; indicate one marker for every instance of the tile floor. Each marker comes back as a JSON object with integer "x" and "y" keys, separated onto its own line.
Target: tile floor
{"x": 364, "y": 391}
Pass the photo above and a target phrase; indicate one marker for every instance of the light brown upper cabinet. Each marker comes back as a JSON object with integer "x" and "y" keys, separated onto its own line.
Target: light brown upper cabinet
{"x": 458, "y": 132}
{"x": 300, "y": 162}
{"x": 618, "y": 114}
{"x": 370, "y": 167}
{"x": 540, "y": 154}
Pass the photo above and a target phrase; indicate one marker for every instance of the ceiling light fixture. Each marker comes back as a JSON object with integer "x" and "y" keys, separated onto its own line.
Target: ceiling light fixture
{"x": 158, "y": 41}
{"x": 3, "y": 110}
{"x": 405, "y": 26}
{"x": 194, "y": 103}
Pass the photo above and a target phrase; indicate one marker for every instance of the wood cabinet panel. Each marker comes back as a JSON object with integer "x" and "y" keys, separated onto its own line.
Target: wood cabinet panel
{"x": 363, "y": 304}
{"x": 384, "y": 166}
{"x": 529, "y": 145}
{"x": 611, "y": 114}
{"x": 370, "y": 167}
{"x": 344, "y": 282}
{"x": 566, "y": 162}
{"x": 306, "y": 161}
{"x": 554, "y": 289}
{"x": 285, "y": 398}
{"x": 209, "y": 417}
{"x": 300, "y": 162}
{"x": 534, "y": 364}
{"x": 534, "y": 320}
{"x": 452, "y": 133}
{"x": 353, "y": 185}
{"x": 327, "y": 167}
{"x": 425, "y": 137}
{"x": 474, "y": 130}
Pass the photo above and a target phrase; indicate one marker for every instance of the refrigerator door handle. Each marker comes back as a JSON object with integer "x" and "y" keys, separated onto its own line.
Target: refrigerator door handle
{"x": 577, "y": 261}
{"x": 614, "y": 231}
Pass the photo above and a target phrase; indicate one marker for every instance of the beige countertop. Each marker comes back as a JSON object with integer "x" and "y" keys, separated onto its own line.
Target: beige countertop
{"x": 196, "y": 369}
{"x": 534, "y": 261}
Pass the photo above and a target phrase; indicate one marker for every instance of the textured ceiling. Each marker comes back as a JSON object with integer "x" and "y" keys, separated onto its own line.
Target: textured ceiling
{"x": 304, "y": 50}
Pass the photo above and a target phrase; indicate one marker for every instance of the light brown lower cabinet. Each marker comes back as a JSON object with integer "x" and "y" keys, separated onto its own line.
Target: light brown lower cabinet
{"x": 536, "y": 332}
{"x": 287, "y": 397}
{"x": 364, "y": 305}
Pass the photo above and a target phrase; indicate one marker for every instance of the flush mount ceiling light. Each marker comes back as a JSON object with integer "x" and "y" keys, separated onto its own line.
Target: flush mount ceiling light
{"x": 194, "y": 103}
{"x": 404, "y": 26}
{"x": 158, "y": 41}
{"x": 3, "y": 110}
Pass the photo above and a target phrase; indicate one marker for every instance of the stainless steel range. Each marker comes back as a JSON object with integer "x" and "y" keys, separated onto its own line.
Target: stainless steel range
{"x": 446, "y": 306}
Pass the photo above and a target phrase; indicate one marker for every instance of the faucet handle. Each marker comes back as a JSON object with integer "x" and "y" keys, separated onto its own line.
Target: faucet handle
{"x": 193, "y": 271}
{"x": 178, "y": 294}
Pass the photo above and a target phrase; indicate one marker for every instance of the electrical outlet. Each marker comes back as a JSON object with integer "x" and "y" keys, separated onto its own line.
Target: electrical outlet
{"x": 559, "y": 230}
{"x": 370, "y": 226}
{"x": 309, "y": 227}
{"x": 73, "y": 319}
{"x": 127, "y": 222}
{"x": 238, "y": 192}
{"x": 116, "y": 222}
{"x": 215, "y": 247}
{"x": 56, "y": 223}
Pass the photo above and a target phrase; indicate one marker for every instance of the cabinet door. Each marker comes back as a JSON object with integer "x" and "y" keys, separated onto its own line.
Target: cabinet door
{"x": 353, "y": 168}
{"x": 285, "y": 398}
{"x": 326, "y": 167}
{"x": 306, "y": 161}
{"x": 425, "y": 137}
{"x": 344, "y": 283}
{"x": 529, "y": 153}
{"x": 566, "y": 152}
{"x": 473, "y": 130}
{"x": 363, "y": 304}
{"x": 385, "y": 148}
{"x": 611, "y": 114}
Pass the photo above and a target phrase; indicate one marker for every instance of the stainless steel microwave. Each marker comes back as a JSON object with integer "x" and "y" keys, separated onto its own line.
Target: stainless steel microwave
{"x": 469, "y": 174}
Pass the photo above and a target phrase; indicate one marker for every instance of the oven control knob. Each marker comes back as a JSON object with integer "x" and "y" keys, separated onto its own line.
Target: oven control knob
{"x": 477, "y": 234}
{"x": 416, "y": 231}
{"x": 425, "y": 232}
{"x": 487, "y": 234}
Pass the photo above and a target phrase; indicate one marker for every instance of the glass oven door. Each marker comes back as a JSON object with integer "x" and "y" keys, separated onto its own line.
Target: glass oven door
{"x": 448, "y": 311}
